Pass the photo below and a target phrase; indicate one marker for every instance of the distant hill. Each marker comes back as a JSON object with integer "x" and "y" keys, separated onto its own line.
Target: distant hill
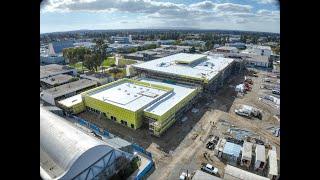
{"x": 159, "y": 29}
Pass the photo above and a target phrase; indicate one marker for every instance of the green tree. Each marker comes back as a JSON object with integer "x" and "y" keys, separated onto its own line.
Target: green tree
{"x": 92, "y": 61}
{"x": 192, "y": 49}
{"x": 69, "y": 54}
{"x": 209, "y": 45}
{"x": 99, "y": 51}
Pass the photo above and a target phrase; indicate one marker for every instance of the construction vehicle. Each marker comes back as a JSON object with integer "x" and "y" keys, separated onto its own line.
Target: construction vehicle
{"x": 249, "y": 112}
{"x": 247, "y": 86}
{"x": 248, "y": 80}
{"x": 212, "y": 143}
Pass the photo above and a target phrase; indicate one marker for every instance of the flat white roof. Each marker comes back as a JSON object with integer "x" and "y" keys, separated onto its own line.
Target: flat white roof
{"x": 227, "y": 48}
{"x": 190, "y": 59}
{"x": 200, "y": 175}
{"x": 273, "y": 164}
{"x": 232, "y": 173}
{"x": 261, "y": 47}
{"x": 71, "y": 100}
{"x": 166, "y": 103}
{"x": 247, "y": 150}
{"x": 205, "y": 69}
{"x": 260, "y": 153}
{"x": 128, "y": 95}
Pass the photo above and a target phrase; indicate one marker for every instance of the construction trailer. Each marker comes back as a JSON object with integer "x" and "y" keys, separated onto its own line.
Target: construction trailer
{"x": 260, "y": 158}
{"x": 67, "y": 152}
{"x": 210, "y": 72}
{"x": 234, "y": 173}
{"x": 246, "y": 155}
{"x": 272, "y": 165}
{"x": 219, "y": 147}
{"x": 231, "y": 153}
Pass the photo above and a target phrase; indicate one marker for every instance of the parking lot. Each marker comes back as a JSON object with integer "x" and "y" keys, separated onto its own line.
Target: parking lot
{"x": 183, "y": 146}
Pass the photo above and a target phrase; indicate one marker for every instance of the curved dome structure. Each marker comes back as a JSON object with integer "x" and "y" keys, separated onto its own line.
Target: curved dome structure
{"x": 67, "y": 153}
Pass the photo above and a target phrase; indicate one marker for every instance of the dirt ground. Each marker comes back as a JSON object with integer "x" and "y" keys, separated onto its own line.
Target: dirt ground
{"x": 182, "y": 147}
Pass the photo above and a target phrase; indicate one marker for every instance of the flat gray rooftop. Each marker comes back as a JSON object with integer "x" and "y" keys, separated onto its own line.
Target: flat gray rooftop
{"x": 166, "y": 103}
{"x": 57, "y": 79}
{"x": 128, "y": 95}
{"x": 205, "y": 69}
{"x": 70, "y": 87}
{"x": 53, "y": 69}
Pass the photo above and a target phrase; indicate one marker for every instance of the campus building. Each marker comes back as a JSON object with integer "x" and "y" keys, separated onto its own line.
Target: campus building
{"x": 134, "y": 102}
{"x": 165, "y": 89}
{"x": 64, "y": 91}
{"x": 210, "y": 72}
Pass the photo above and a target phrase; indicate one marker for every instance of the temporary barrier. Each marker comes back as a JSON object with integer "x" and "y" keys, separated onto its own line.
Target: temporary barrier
{"x": 140, "y": 149}
{"x": 144, "y": 172}
{"x": 91, "y": 126}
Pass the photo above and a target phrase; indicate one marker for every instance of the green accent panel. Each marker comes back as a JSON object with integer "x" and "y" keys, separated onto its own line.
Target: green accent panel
{"x": 168, "y": 118}
{"x": 111, "y": 110}
{"x": 77, "y": 108}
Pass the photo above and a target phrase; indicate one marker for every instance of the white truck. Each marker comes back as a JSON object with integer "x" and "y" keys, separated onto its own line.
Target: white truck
{"x": 208, "y": 168}
{"x": 248, "y": 111}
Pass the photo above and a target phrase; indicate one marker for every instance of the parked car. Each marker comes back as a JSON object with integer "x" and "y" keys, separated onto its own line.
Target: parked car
{"x": 208, "y": 168}
{"x": 276, "y": 91}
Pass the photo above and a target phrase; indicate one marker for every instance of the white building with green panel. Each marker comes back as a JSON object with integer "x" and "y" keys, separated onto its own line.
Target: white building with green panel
{"x": 162, "y": 114}
{"x": 132, "y": 102}
{"x": 123, "y": 101}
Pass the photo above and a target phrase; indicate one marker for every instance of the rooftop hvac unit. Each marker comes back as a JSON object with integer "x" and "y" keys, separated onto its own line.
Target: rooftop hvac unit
{"x": 119, "y": 88}
{"x": 128, "y": 93}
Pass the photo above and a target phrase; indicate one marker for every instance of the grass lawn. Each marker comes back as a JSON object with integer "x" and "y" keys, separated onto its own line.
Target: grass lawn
{"x": 107, "y": 62}
{"x": 78, "y": 66}
{"x": 126, "y": 61}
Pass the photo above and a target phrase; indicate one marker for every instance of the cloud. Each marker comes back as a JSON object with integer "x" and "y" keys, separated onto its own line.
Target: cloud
{"x": 267, "y": 1}
{"x": 233, "y": 7}
{"x": 205, "y": 5}
{"x": 158, "y": 13}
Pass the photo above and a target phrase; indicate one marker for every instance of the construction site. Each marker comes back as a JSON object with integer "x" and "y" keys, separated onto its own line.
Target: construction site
{"x": 200, "y": 112}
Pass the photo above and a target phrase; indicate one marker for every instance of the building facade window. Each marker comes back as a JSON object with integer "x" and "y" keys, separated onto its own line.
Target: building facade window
{"x": 132, "y": 126}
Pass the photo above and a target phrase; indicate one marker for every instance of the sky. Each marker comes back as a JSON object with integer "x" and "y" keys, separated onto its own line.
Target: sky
{"x": 246, "y": 15}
